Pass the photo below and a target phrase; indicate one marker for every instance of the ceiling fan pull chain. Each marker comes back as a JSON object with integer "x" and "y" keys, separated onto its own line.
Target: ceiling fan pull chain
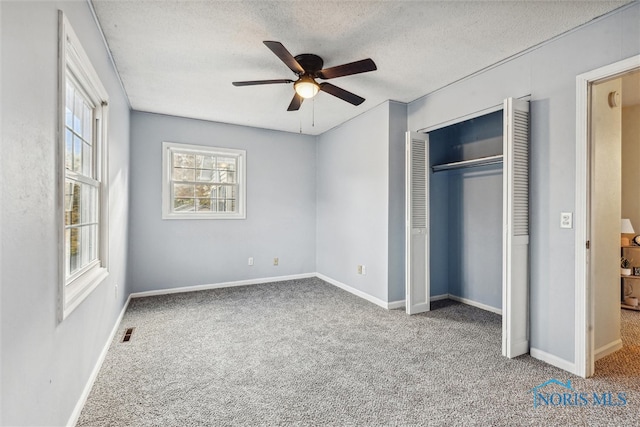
{"x": 313, "y": 112}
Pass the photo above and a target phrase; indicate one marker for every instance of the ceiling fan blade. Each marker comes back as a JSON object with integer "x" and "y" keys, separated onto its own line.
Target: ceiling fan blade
{"x": 362, "y": 66}
{"x": 261, "y": 82}
{"x": 284, "y": 55}
{"x": 345, "y": 95}
{"x": 296, "y": 102}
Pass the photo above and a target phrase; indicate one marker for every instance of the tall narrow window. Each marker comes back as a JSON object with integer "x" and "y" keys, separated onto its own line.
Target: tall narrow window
{"x": 203, "y": 182}
{"x": 82, "y": 145}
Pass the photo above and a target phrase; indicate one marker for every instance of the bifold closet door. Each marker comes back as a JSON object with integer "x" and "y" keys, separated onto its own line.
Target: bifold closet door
{"x": 416, "y": 222}
{"x": 515, "y": 219}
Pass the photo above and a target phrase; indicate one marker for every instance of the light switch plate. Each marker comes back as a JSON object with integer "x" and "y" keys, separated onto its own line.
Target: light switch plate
{"x": 566, "y": 219}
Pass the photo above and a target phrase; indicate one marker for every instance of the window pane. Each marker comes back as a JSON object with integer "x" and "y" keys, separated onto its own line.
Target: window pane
{"x": 183, "y": 190}
{"x": 184, "y": 160}
{"x": 68, "y": 195}
{"x": 227, "y": 177}
{"x": 67, "y": 246}
{"x": 181, "y": 174}
{"x": 86, "y": 241}
{"x": 183, "y": 205}
{"x": 89, "y": 204}
{"x": 86, "y": 126}
{"x": 203, "y": 205}
{"x": 89, "y": 244}
{"x": 203, "y": 190}
{"x": 93, "y": 244}
{"x": 81, "y": 203}
{"x": 226, "y": 192}
{"x": 205, "y": 175}
{"x": 78, "y": 109}
{"x": 227, "y": 163}
{"x": 87, "y": 160}
{"x": 205, "y": 162}
{"x": 77, "y": 154}
{"x": 68, "y": 150}
{"x": 68, "y": 110}
{"x": 74, "y": 250}
{"x": 72, "y": 203}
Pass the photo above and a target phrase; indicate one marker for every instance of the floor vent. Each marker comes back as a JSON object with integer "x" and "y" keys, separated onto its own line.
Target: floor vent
{"x": 127, "y": 334}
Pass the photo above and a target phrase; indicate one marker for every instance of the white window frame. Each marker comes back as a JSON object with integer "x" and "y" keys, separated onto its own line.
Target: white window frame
{"x": 73, "y": 61}
{"x": 167, "y": 196}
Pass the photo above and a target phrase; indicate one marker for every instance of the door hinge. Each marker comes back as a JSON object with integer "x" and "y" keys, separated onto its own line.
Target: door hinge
{"x": 588, "y": 244}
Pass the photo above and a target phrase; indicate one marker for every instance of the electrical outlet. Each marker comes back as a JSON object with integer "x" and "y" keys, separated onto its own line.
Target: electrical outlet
{"x": 566, "y": 220}
{"x": 275, "y": 261}
{"x": 250, "y": 260}
{"x": 359, "y": 269}
{"x": 363, "y": 269}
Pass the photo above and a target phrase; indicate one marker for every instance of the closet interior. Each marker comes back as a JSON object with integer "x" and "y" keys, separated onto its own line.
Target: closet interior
{"x": 467, "y": 218}
{"x": 466, "y": 211}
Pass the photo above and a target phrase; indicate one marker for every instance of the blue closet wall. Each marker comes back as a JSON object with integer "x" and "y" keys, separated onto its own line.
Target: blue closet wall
{"x": 466, "y": 212}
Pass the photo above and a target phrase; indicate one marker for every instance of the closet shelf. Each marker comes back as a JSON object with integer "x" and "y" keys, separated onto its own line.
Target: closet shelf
{"x": 481, "y": 161}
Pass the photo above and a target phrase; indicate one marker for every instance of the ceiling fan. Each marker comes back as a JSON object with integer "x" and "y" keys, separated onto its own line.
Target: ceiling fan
{"x": 308, "y": 67}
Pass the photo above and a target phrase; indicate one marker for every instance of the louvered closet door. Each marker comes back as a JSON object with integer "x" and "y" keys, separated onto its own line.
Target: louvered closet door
{"x": 417, "y": 221}
{"x": 515, "y": 247}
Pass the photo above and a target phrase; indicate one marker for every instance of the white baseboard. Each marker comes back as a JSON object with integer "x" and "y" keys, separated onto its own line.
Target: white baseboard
{"x": 73, "y": 419}
{"x": 476, "y": 304}
{"x": 606, "y": 350}
{"x": 392, "y": 305}
{"x": 221, "y": 285}
{"x": 401, "y": 303}
{"x": 354, "y": 291}
{"x": 553, "y": 360}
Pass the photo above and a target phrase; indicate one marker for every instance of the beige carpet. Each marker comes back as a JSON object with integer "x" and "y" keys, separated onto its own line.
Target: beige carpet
{"x": 624, "y": 364}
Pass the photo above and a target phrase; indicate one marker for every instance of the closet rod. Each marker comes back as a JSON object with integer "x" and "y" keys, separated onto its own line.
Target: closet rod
{"x": 481, "y": 161}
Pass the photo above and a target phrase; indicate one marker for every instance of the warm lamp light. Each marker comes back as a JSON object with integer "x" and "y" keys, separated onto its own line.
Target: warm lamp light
{"x": 625, "y": 228}
{"x": 306, "y": 87}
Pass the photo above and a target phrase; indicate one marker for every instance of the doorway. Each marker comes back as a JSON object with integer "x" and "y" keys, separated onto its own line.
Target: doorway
{"x": 600, "y": 100}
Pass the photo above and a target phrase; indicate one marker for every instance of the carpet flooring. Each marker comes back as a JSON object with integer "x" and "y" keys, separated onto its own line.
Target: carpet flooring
{"x": 306, "y": 353}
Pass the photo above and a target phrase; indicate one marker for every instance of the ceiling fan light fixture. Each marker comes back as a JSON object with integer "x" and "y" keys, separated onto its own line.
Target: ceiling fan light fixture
{"x": 306, "y": 87}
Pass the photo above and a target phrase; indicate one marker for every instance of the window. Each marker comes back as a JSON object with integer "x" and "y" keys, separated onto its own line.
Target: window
{"x": 202, "y": 182}
{"x": 83, "y": 177}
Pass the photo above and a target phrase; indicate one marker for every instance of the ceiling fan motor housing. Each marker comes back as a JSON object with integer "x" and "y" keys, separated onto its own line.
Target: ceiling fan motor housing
{"x": 310, "y": 62}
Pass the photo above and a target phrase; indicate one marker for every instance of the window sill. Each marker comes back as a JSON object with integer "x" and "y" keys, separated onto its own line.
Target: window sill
{"x": 203, "y": 216}
{"x": 78, "y": 290}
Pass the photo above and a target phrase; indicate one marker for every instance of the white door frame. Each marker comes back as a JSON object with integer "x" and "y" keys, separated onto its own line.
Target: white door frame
{"x": 584, "y": 307}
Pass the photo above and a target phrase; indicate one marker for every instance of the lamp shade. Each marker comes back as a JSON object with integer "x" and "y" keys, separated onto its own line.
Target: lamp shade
{"x": 625, "y": 226}
{"x": 306, "y": 87}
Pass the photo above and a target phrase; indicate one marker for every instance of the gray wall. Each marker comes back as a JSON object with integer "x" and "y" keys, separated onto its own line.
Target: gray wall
{"x": 352, "y": 187}
{"x": 281, "y": 208}
{"x": 397, "y": 138}
{"x": 548, "y": 73}
{"x": 45, "y": 365}
{"x": 475, "y": 234}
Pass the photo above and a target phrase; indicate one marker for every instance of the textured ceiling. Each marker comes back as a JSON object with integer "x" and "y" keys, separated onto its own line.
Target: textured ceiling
{"x": 180, "y": 57}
